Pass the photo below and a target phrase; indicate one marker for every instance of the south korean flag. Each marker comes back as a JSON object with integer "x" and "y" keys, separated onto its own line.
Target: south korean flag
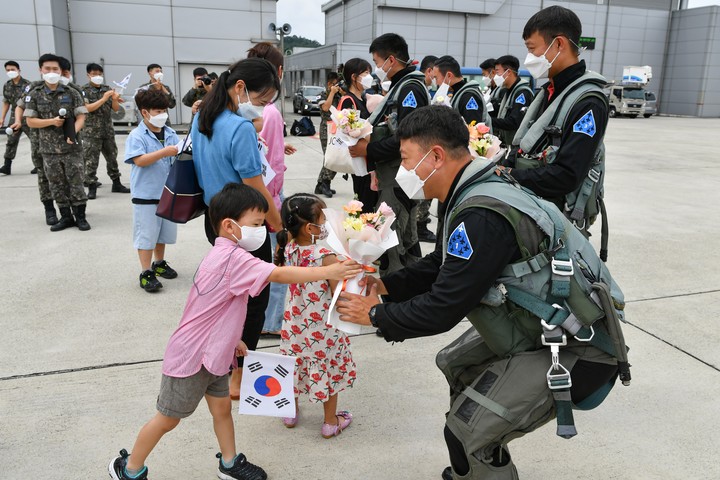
{"x": 267, "y": 385}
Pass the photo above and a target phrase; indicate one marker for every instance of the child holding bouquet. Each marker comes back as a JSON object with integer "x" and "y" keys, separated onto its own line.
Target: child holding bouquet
{"x": 324, "y": 365}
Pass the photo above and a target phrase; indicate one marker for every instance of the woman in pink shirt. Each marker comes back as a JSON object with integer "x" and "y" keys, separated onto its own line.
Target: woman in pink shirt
{"x": 204, "y": 345}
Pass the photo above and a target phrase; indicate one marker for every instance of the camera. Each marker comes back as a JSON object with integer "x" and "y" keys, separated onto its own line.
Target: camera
{"x": 342, "y": 85}
{"x": 206, "y": 79}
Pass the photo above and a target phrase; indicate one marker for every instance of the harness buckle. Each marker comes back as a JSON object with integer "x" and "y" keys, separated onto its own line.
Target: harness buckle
{"x": 592, "y": 334}
{"x": 562, "y": 267}
{"x": 593, "y": 175}
{"x": 548, "y": 327}
{"x": 553, "y": 345}
{"x": 557, "y": 381}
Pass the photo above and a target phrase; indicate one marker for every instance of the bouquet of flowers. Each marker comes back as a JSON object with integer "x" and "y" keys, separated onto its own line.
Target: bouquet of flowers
{"x": 348, "y": 129}
{"x": 364, "y": 237}
{"x": 482, "y": 142}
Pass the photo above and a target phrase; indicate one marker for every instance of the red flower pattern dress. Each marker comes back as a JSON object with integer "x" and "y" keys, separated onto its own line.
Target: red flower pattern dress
{"x": 324, "y": 363}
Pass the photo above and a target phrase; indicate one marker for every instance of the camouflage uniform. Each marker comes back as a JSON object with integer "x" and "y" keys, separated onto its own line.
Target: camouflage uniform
{"x": 12, "y": 93}
{"x": 423, "y": 215}
{"x": 193, "y": 95}
{"x": 63, "y": 162}
{"x": 170, "y": 95}
{"x": 99, "y": 136}
{"x": 34, "y": 135}
{"x": 326, "y": 176}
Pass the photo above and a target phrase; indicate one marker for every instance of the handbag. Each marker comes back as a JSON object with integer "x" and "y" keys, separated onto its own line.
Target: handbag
{"x": 337, "y": 154}
{"x": 182, "y": 198}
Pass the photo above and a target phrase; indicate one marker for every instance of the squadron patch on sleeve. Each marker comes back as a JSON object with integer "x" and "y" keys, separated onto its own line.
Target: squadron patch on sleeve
{"x": 521, "y": 99}
{"x": 472, "y": 104}
{"x": 410, "y": 100}
{"x": 586, "y": 125}
{"x": 459, "y": 243}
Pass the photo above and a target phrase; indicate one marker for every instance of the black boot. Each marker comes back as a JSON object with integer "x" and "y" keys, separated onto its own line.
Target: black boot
{"x": 33, "y": 171}
{"x": 324, "y": 189}
{"x": 6, "y": 168}
{"x": 92, "y": 191}
{"x": 50, "y": 214}
{"x": 66, "y": 220}
{"x": 425, "y": 234}
{"x": 79, "y": 212}
{"x": 118, "y": 187}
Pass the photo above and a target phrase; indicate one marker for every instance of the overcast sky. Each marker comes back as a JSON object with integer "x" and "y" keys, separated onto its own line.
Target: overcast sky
{"x": 307, "y": 20}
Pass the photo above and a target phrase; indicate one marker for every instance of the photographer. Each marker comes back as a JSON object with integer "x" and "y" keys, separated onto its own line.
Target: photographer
{"x": 202, "y": 82}
{"x": 329, "y": 98}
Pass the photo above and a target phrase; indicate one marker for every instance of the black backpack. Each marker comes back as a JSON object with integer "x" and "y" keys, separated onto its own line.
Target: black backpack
{"x": 303, "y": 127}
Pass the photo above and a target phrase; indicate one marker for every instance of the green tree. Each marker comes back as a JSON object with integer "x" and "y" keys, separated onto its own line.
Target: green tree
{"x": 292, "y": 41}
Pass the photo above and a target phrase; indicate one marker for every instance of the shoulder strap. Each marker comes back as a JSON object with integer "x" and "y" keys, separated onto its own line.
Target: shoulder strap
{"x": 507, "y": 101}
{"x": 393, "y": 96}
{"x": 470, "y": 85}
{"x": 340, "y": 102}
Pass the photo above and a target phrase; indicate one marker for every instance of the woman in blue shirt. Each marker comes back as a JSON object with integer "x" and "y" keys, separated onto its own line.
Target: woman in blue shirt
{"x": 225, "y": 149}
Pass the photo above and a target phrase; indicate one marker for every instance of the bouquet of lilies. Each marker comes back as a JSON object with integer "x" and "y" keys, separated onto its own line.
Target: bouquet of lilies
{"x": 482, "y": 142}
{"x": 364, "y": 237}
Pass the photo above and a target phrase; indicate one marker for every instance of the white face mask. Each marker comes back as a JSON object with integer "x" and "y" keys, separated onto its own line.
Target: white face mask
{"x": 97, "y": 79}
{"x": 366, "y": 81}
{"x": 323, "y": 233}
{"x": 410, "y": 182}
{"x": 158, "y": 121}
{"x": 499, "y": 80}
{"x": 252, "y": 237}
{"x": 52, "y": 78}
{"x": 539, "y": 66}
{"x": 65, "y": 80}
{"x": 247, "y": 110}
{"x": 433, "y": 84}
{"x": 12, "y": 74}
{"x": 158, "y": 76}
{"x": 386, "y": 85}
{"x": 380, "y": 73}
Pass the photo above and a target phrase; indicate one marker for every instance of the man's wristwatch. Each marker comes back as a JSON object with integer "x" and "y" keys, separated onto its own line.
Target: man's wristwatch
{"x": 371, "y": 314}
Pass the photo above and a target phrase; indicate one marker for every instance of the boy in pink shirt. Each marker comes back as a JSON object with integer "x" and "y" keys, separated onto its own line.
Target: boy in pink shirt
{"x": 203, "y": 347}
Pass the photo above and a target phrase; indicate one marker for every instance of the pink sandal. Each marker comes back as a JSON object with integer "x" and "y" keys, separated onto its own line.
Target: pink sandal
{"x": 290, "y": 422}
{"x": 344, "y": 421}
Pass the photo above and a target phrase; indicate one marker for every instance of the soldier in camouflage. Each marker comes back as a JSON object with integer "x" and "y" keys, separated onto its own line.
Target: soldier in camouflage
{"x": 43, "y": 185}
{"x": 12, "y": 91}
{"x": 423, "y": 220}
{"x": 197, "y": 93}
{"x": 98, "y": 134}
{"x": 156, "y": 74}
{"x": 327, "y": 99}
{"x": 62, "y": 155}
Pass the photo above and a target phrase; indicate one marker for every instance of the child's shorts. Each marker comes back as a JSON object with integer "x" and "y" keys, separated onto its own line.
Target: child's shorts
{"x": 179, "y": 397}
{"x": 149, "y": 229}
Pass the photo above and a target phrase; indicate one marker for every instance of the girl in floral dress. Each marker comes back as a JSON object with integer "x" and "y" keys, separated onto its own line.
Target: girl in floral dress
{"x": 324, "y": 364}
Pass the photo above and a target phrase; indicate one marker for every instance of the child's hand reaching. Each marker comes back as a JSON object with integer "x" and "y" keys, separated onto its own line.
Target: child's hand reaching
{"x": 241, "y": 350}
{"x": 342, "y": 270}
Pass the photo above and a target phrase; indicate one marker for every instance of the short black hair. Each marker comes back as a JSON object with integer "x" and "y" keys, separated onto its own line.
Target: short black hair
{"x": 153, "y": 65}
{"x": 428, "y": 62}
{"x": 94, "y": 67}
{"x": 233, "y": 201}
{"x": 436, "y": 125}
{"x": 488, "y": 64}
{"x": 446, "y": 64}
{"x": 149, "y": 98}
{"x": 199, "y": 71}
{"x": 12, "y": 63}
{"x": 391, "y": 44}
{"x": 213, "y": 75}
{"x": 509, "y": 62}
{"x": 553, "y": 22}
{"x": 65, "y": 64}
{"x": 48, "y": 57}
{"x": 332, "y": 76}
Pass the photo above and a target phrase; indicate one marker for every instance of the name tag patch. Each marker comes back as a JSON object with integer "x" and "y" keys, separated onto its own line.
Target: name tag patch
{"x": 410, "y": 101}
{"x": 459, "y": 243}
{"x": 521, "y": 99}
{"x": 472, "y": 104}
{"x": 586, "y": 125}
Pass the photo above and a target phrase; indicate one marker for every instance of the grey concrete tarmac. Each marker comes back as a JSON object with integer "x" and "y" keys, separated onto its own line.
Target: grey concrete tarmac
{"x": 81, "y": 343}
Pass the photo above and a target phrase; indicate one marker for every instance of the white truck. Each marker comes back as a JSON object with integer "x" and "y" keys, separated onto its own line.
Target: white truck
{"x": 628, "y": 98}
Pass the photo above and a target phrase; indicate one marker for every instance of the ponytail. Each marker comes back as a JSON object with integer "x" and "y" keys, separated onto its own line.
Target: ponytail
{"x": 259, "y": 75}
{"x": 296, "y": 211}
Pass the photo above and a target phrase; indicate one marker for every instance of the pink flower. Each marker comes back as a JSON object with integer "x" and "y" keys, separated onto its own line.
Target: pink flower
{"x": 482, "y": 129}
{"x": 353, "y": 207}
{"x": 385, "y": 210}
